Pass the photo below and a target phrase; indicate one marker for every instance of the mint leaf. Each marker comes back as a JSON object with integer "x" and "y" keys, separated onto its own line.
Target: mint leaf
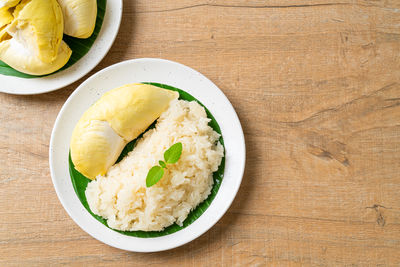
{"x": 171, "y": 156}
{"x": 154, "y": 175}
{"x": 173, "y": 153}
{"x": 162, "y": 164}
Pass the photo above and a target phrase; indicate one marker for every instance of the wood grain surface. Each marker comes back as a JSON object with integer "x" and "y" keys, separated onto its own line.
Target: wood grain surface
{"x": 316, "y": 84}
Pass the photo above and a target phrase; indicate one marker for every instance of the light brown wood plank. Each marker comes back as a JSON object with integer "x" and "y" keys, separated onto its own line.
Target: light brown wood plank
{"x": 316, "y": 85}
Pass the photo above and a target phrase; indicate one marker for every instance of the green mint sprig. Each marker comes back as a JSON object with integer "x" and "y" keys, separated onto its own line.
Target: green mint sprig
{"x": 171, "y": 156}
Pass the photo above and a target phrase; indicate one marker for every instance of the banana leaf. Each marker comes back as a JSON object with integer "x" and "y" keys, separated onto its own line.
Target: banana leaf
{"x": 79, "y": 47}
{"x": 79, "y": 181}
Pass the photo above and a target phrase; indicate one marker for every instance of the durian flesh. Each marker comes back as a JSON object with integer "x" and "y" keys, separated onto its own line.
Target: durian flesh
{"x": 32, "y": 41}
{"x": 8, "y": 3}
{"x": 79, "y": 17}
{"x": 5, "y": 17}
{"x": 117, "y": 118}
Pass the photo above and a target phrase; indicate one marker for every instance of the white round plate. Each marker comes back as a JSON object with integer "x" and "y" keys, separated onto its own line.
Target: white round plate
{"x": 103, "y": 43}
{"x": 136, "y": 71}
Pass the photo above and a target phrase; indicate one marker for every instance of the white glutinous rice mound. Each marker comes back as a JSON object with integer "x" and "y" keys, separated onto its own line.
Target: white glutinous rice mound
{"x": 121, "y": 196}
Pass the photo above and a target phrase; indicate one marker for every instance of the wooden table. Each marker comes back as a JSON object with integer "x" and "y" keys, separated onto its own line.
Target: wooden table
{"x": 316, "y": 85}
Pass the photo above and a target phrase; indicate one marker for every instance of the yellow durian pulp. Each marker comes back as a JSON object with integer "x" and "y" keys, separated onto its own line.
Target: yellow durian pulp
{"x": 79, "y": 17}
{"x": 117, "y": 118}
{"x": 8, "y": 3}
{"x": 95, "y": 147}
{"x": 19, "y": 58}
{"x": 5, "y": 17}
{"x": 32, "y": 41}
{"x": 131, "y": 108}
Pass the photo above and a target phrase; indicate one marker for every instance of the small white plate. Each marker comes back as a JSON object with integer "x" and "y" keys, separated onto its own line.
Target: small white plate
{"x": 103, "y": 43}
{"x": 135, "y": 71}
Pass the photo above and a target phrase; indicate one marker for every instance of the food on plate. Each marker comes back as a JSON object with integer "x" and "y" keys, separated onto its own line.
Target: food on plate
{"x": 117, "y": 118}
{"x": 5, "y": 17}
{"x": 31, "y": 32}
{"x": 8, "y": 3}
{"x": 121, "y": 194}
{"x": 31, "y": 36}
{"x": 79, "y": 17}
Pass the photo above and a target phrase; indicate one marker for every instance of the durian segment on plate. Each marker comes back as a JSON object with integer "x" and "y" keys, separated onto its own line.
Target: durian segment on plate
{"x": 22, "y": 59}
{"x": 96, "y": 147}
{"x": 79, "y": 17}
{"x": 32, "y": 41}
{"x": 117, "y": 118}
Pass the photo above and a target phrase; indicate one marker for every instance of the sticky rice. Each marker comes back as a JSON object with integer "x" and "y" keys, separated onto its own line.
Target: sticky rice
{"x": 121, "y": 195}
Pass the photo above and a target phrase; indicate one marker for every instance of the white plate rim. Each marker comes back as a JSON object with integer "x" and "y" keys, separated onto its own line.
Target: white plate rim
{"x": 58, "y": 80}
{"x": 234, "y": 159}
